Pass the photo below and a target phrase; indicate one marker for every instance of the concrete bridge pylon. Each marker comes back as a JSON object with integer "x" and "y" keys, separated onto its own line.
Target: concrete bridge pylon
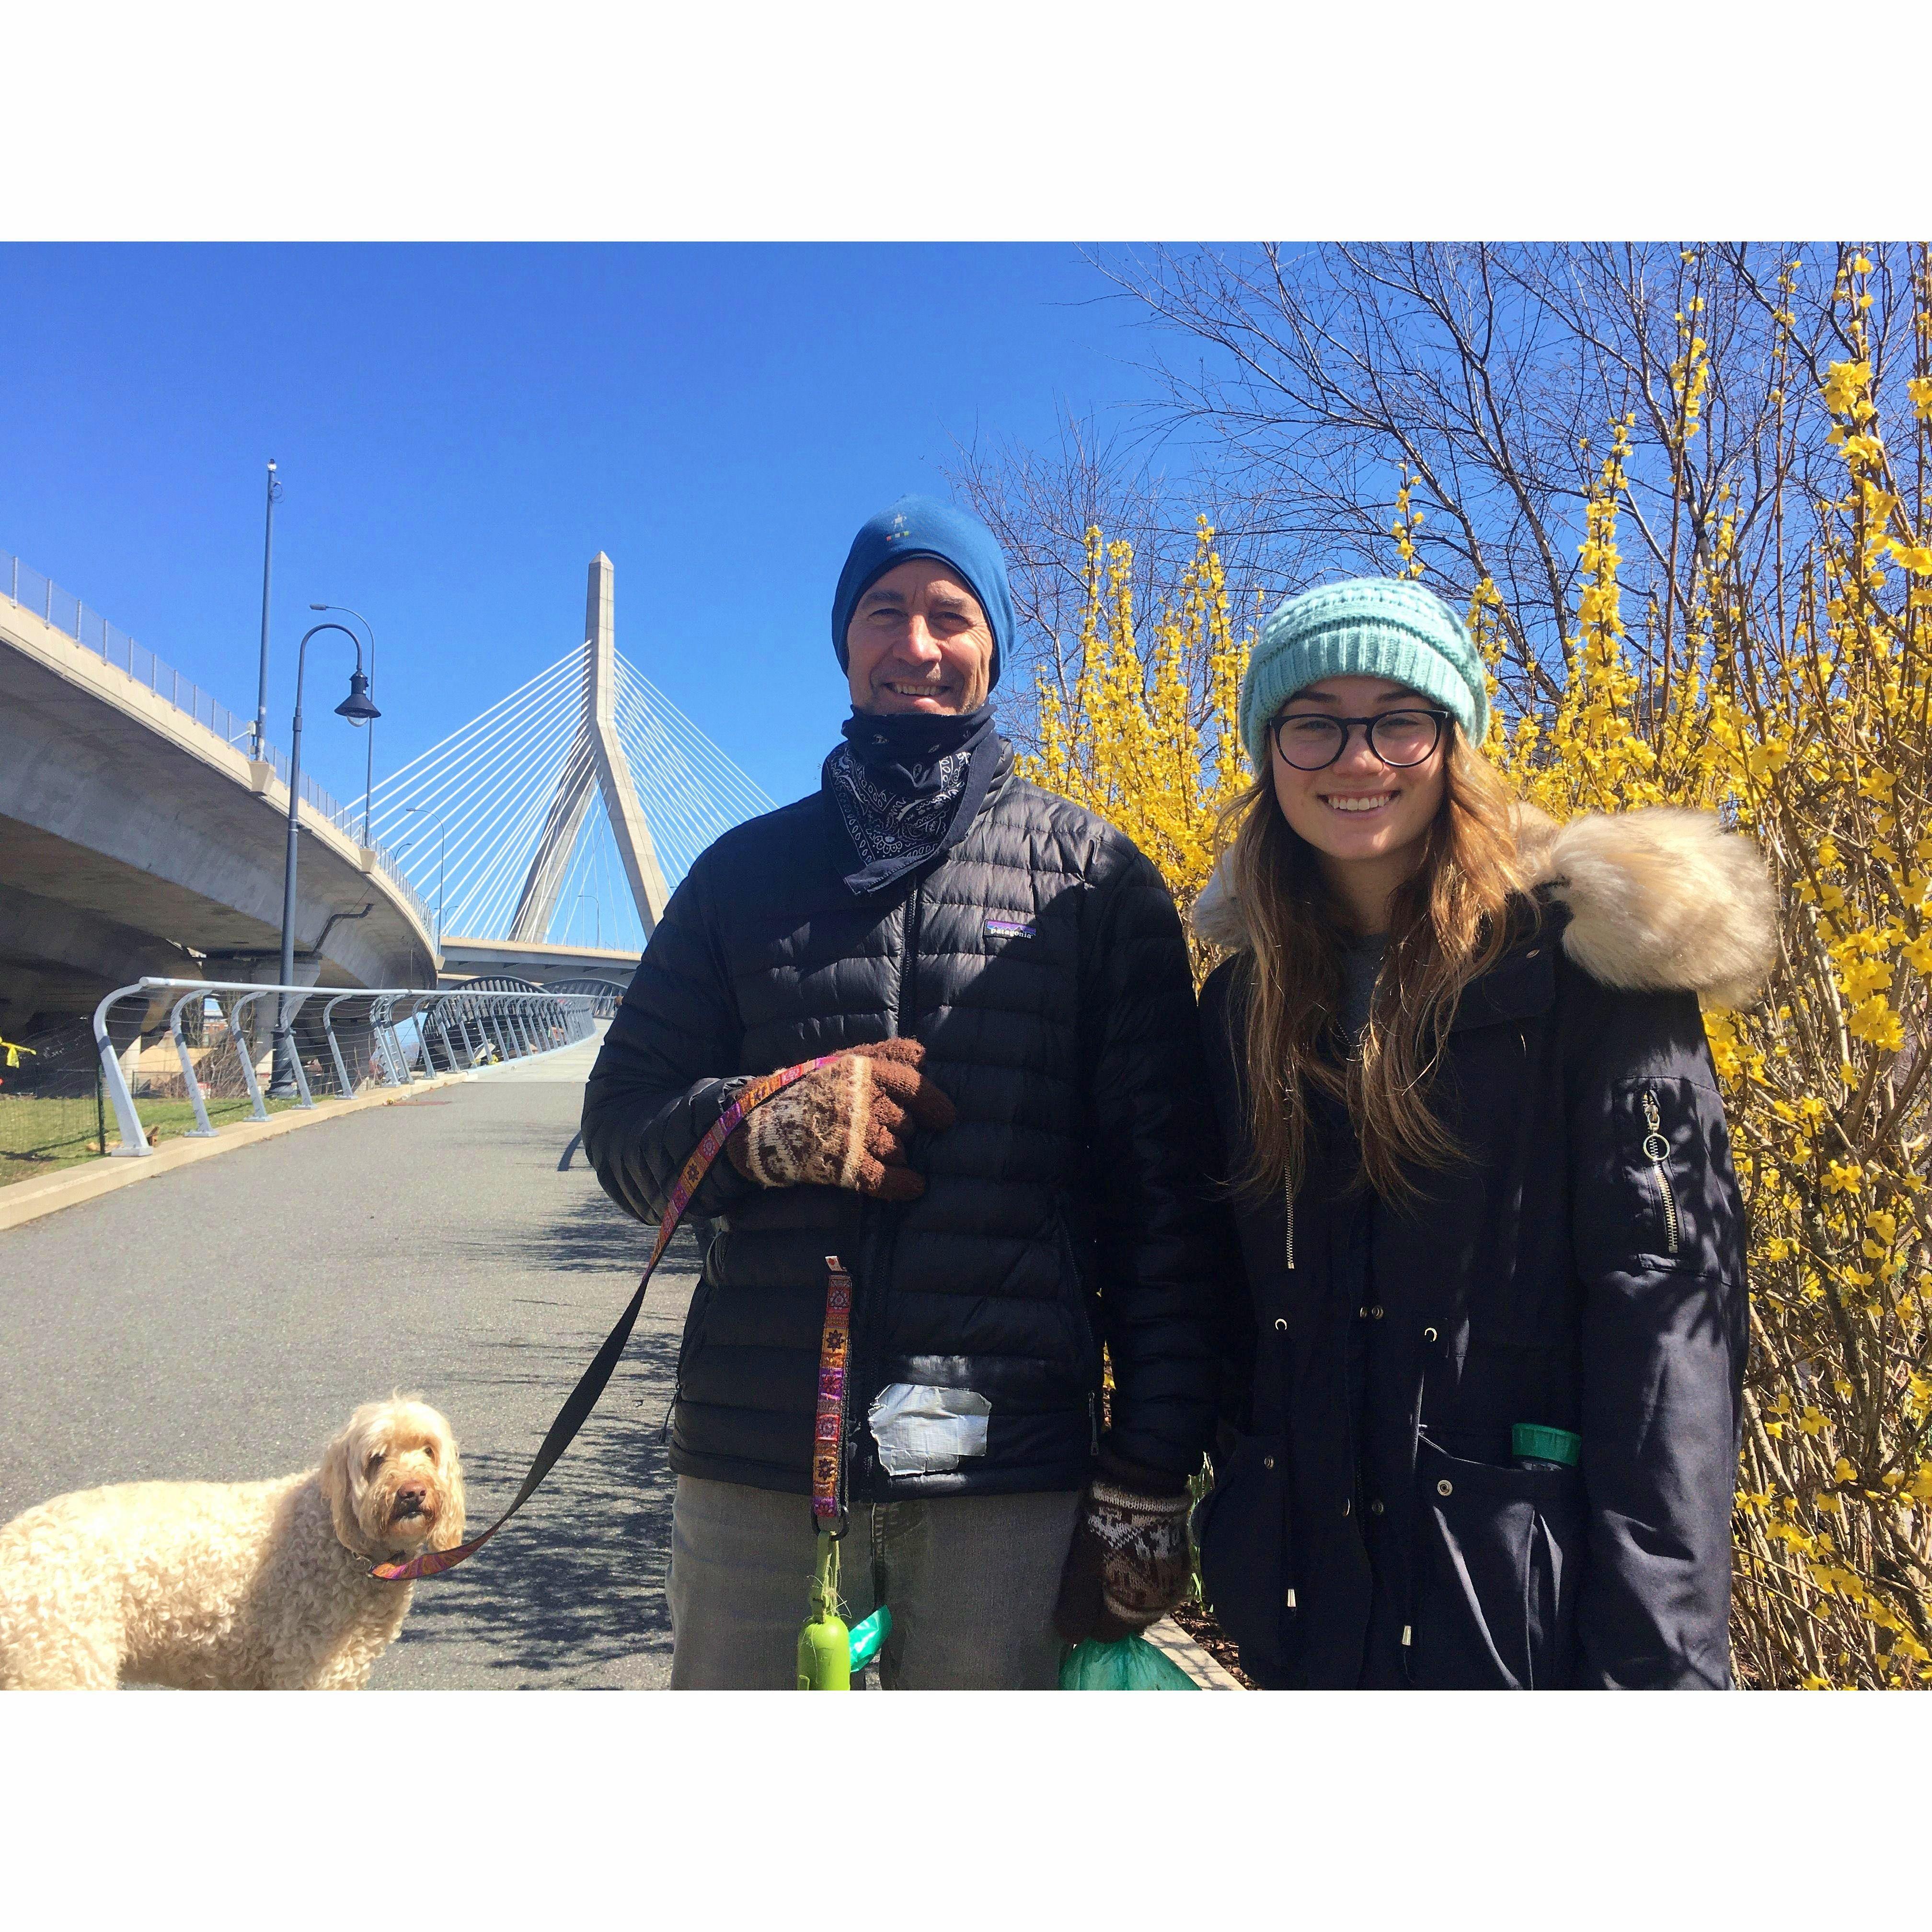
{"x": 596, "y": 760}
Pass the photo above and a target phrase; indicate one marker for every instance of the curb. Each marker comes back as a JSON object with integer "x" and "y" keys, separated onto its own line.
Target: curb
{"x": 26, "y": 1201}
{"x": 1168, "y": 1637}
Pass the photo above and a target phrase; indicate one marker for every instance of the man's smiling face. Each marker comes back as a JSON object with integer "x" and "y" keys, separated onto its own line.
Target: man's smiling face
{"x": 919, "y": 642}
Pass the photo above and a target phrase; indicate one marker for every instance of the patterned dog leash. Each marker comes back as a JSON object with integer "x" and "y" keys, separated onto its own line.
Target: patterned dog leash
{"x": 828, "y": 1458}
{"x": 583, "y": 1398}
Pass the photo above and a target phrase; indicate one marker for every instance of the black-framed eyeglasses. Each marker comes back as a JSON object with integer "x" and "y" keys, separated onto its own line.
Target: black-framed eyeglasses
{"x": 1311, "y": 741}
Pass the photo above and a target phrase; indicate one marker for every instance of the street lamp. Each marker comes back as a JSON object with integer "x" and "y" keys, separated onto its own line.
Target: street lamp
{"x": 596, "y": 908}
{"x": 268, "y": 557}
{"x": 357, "y": 709}
{"x": 369, "y": 779}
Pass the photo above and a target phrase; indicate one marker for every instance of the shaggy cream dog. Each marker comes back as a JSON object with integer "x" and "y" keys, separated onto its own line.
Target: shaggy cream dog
{"x": 231, "y": 1586}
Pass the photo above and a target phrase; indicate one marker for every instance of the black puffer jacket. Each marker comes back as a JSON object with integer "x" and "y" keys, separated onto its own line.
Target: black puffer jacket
{"x": 1370, "y": 1526}
{"x": 1043, "y": 966}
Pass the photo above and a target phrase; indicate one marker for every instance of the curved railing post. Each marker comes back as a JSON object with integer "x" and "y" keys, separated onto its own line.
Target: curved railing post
{"x": 308, "y": 1099}
{"x": 419, "y": 1015}
{"x": 407, "y": 1052}
{"x": 443, "y": 1007}
{"x": 244, "y": 1053}
{"x": 440, "y": 1014}
{"x": 379, "y": 1057}
{"x": 201, "y": 1130}
{"x": 343, "y": 1085}
{"x": 392, "y": 1047}
{"x": 399, "y": 1060}
{"x": 133, "y": 1142}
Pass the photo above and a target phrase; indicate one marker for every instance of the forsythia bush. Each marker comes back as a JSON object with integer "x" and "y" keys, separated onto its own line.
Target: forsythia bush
{"x": 1148, "y": 738}
{"x": 1795, "y": 698}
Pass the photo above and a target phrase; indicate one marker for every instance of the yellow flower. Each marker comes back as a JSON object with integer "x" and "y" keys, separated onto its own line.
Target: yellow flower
{"x": 1845, "y": 386}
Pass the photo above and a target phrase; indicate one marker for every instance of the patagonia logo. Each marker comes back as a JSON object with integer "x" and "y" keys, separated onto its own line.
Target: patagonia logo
{"x": 1010, "y": 928}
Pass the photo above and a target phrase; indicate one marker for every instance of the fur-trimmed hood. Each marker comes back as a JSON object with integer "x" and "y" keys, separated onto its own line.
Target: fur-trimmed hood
{"x": 1661, "y": 900}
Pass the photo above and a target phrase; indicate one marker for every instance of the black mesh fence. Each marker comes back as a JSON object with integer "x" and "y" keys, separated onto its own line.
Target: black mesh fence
{"x": 55, "y": 1107}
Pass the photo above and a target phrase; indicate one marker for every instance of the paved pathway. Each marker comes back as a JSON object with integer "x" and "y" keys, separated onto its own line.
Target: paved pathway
{"x": 221, "y": 1322}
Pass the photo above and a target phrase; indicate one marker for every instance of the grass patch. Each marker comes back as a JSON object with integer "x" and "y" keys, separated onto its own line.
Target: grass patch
{"x": 41, "y": 1134}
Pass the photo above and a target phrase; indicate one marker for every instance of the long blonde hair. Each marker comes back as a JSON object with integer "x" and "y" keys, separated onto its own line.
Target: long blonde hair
{"x": 1450, "y": 921}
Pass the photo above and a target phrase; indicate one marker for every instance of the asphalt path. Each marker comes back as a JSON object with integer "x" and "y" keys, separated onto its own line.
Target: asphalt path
{"x": 221, "y": 1322}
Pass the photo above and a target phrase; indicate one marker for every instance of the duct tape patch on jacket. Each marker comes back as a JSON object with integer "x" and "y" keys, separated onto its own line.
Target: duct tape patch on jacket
{"x": 921, "y": 1431}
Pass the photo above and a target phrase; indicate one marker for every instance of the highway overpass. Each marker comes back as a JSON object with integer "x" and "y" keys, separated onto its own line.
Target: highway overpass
{"x": 137, "y": 836}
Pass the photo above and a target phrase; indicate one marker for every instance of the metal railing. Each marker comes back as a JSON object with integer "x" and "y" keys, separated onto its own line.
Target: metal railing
{"x": 608, "y": 994}
{"x": 25, "y": 587}
{"x": 404, "y": 1034}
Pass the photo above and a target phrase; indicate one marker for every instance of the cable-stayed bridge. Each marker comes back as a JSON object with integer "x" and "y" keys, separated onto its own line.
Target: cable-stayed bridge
{"x": 142, "y": 829}
{"x": 546, "y": 832}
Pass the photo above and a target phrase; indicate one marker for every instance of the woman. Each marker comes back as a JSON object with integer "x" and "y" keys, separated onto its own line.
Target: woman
{"x": 1484, "y": 1418}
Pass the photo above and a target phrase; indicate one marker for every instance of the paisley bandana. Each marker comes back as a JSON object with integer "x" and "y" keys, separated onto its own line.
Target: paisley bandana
{"x": 908, "y": 786}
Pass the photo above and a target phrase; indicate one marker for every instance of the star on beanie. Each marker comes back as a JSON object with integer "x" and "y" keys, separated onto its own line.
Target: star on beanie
{"x": 922, "y": 526}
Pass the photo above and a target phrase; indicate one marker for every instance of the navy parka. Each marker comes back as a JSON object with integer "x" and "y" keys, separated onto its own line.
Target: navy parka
{"x": 1369, "y": 1526}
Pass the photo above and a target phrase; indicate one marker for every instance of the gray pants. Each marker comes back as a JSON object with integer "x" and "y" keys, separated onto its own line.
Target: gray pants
{"x": 971, "y": 1582}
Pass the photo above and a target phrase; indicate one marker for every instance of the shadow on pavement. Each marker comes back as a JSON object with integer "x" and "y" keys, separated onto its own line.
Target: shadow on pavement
{"x": 593, "y": 1234}
{"x": 577, "y": 1579}
{"x": 574, "y": 1587}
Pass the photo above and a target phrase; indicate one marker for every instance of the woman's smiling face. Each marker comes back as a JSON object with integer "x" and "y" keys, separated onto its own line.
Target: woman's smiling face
{"x": 1359, "y": 810}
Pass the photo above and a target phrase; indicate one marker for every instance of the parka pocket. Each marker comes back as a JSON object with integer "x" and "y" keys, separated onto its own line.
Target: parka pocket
{"x": 1071, "y": 1305}
{"x": 690, "y": 1340}
{"x": 1500, "y": 1554}
{"x": 1673, "y": 1157}
{"x": 1243, "y": 1535}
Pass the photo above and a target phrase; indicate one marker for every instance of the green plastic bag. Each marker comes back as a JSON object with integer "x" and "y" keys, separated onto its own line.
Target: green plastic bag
{"x": 1131, "y": 1664}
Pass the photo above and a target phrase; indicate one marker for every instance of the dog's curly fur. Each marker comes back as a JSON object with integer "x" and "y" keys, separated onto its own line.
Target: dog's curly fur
{"x": 231, "y": 1586}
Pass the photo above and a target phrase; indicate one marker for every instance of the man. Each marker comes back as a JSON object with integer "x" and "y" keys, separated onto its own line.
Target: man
{"x": 1007, "y": 1155}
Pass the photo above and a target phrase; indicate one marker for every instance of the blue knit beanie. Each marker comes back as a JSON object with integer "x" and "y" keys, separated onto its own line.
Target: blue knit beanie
{"x": 920, "y": 526}
{"x": 1368, "y": 627}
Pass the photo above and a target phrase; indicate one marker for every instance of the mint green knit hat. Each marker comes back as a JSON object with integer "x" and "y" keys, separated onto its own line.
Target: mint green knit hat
{"x": 1368, "y": 627}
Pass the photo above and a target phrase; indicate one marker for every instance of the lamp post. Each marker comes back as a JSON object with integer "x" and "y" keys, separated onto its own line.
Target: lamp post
{"x": 357, "y": 709}
{"x": 597, "y": 910}
{"x": 267, "y": 557}
{"x": 369, "y": 778}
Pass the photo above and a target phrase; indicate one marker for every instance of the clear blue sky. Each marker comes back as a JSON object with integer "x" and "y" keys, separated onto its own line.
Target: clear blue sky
{"x": 460, "y": 429}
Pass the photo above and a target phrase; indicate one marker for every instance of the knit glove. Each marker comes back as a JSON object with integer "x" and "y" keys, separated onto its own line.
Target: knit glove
{"x": 844, "y": 1125}
{"x": 1128, "y": 1566}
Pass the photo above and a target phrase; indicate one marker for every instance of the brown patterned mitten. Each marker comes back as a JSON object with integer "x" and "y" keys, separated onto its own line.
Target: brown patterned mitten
{"x": 1128, "y": 1566}
{"x": 845, "y": 1125}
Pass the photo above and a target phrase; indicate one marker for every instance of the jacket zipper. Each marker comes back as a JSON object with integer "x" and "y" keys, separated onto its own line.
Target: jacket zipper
{"x": 1288, "y": 1238}
{"x": 1430, "y": 1341}
{"x": 874, "y": 1231}
{"x": 1657, "y": 1149}
{"x": 908, "y": 985}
